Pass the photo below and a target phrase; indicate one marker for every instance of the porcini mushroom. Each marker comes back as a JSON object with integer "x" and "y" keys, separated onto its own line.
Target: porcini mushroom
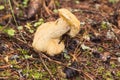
{"x": 47, "y": 36}
{"x": 71, "y": 20}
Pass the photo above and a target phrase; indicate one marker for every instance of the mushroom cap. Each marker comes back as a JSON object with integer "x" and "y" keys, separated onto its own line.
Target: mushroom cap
{"x": 71, "y": 20}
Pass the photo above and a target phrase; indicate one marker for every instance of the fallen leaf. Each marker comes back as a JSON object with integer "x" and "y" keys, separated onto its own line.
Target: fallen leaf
{"x": 6, "y": 59}
{"x": 33, "y": 7}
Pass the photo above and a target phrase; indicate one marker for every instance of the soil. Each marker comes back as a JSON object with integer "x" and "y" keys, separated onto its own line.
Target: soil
{"x": 94, "y": 54}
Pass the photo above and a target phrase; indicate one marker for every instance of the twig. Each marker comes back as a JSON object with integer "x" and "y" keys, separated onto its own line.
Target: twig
{"x": 58, "y": 62}
{"x": 5, "y": 66}
{"x": 43, "y": 62}
{"x": 4, "y": 78}
{"x": 12, "y": 12}
{"x": 15, "y": 20}
{"x": 87, "y": 75}
{"x": 5, "y": 17}
{"x": 5, "y": 25}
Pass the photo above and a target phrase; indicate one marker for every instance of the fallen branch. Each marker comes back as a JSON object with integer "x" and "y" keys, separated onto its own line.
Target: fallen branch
{"x": 43, "y": 62}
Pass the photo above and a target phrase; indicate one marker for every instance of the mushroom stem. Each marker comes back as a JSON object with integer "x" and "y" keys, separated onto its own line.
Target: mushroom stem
{"x": 61, "y": 28}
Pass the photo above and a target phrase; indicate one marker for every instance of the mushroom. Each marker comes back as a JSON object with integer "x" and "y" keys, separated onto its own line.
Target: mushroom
{"x": 47, "y": 37}
{"x": 71, "y": 20}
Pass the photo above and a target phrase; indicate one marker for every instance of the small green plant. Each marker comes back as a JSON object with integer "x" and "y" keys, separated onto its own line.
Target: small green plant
{"x": 107, "y": 75}
{"x": 2, "y": 7}
{"x": 33, "y": 73}
{"x": 25, "y": 3}
{"x": 40, "y": 21}
{"x": 13, "y": 62}
{"x": 100, "y": 70}
{"x": 113, "y": 65}
{"x": 89, "y": 63}
{"x": 5, "y": 73}
{"x": 1, "y": 27}
{"x": 37, "y": 75}
{"x": 77, "y": 1}
{"x": 100, "y": 49}
{"x": 84, "y": 47}
{"x": 118, "y": 74}
{"x": 23, "y": 51}
{"x": 9, "y": 31}
{"x": 57, "y": 3}
{"x": 25, "y": 54}
{"x": 66, "y": 56}
{"x": 28, "y": 26}
{"x": 55, "y": 11}
{"x": 20, "y": 27}
{"x": 113, "y": 1}
{"x": 104, "y": 25}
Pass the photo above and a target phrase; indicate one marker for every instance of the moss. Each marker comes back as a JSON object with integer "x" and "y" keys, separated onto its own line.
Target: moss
{"x": 118, "y": 74}
{"x": 13, "y": 62}
{"x": 107, "y": 75}
{"x": 113, "y": 65}
{"x": 6, "y": 73}
{"x": 100, "y": 70}
{"x": 104, "y": 25}
{"x": 23, "y": 51}
{"x": 113, "y": 1}
{"x": 33, "y": 73}
{"x": 100, "y": 49}
{"x": 89, "y": 63}
{"x": 53, "y": 68}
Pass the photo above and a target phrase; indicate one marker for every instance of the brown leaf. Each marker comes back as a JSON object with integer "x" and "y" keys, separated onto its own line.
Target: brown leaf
{"x": 119, "y": 23}
{"x": 33, "y": 8}
{"x": 105, "y": 56}
{"x": 5, "y": 17}
{"x": 117, "y": 31}
{"x": 105, "y": 9}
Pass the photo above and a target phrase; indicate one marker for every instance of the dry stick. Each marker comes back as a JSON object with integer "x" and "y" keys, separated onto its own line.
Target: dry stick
{"x": 5, "y": 25}
{"x": 5, "y": 17}
{"x": 52, "y": 3}
{"x": 46, "y": 8}
{"x": 43, "y": 62}
{"x": 15, "y": 20}
{"x": 12, "y": 12}
{"x": 58, "y": 62}
{"x": 15, "y": 2}
{"x": 87, "y": 75}
{"x": 4, "y": 78}
{"x": 5, "y": 66}
{"x": 77, "y": 51}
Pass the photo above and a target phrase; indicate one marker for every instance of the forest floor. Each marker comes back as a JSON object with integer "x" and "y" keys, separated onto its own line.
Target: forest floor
{"x": 94, "y": 54}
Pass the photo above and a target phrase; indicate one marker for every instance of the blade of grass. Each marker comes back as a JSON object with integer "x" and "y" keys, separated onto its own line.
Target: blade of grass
{"x": 11, "y": 8}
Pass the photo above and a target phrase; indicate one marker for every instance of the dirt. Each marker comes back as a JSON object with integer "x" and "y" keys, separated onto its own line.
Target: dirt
{"x": 94, "y": 54}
